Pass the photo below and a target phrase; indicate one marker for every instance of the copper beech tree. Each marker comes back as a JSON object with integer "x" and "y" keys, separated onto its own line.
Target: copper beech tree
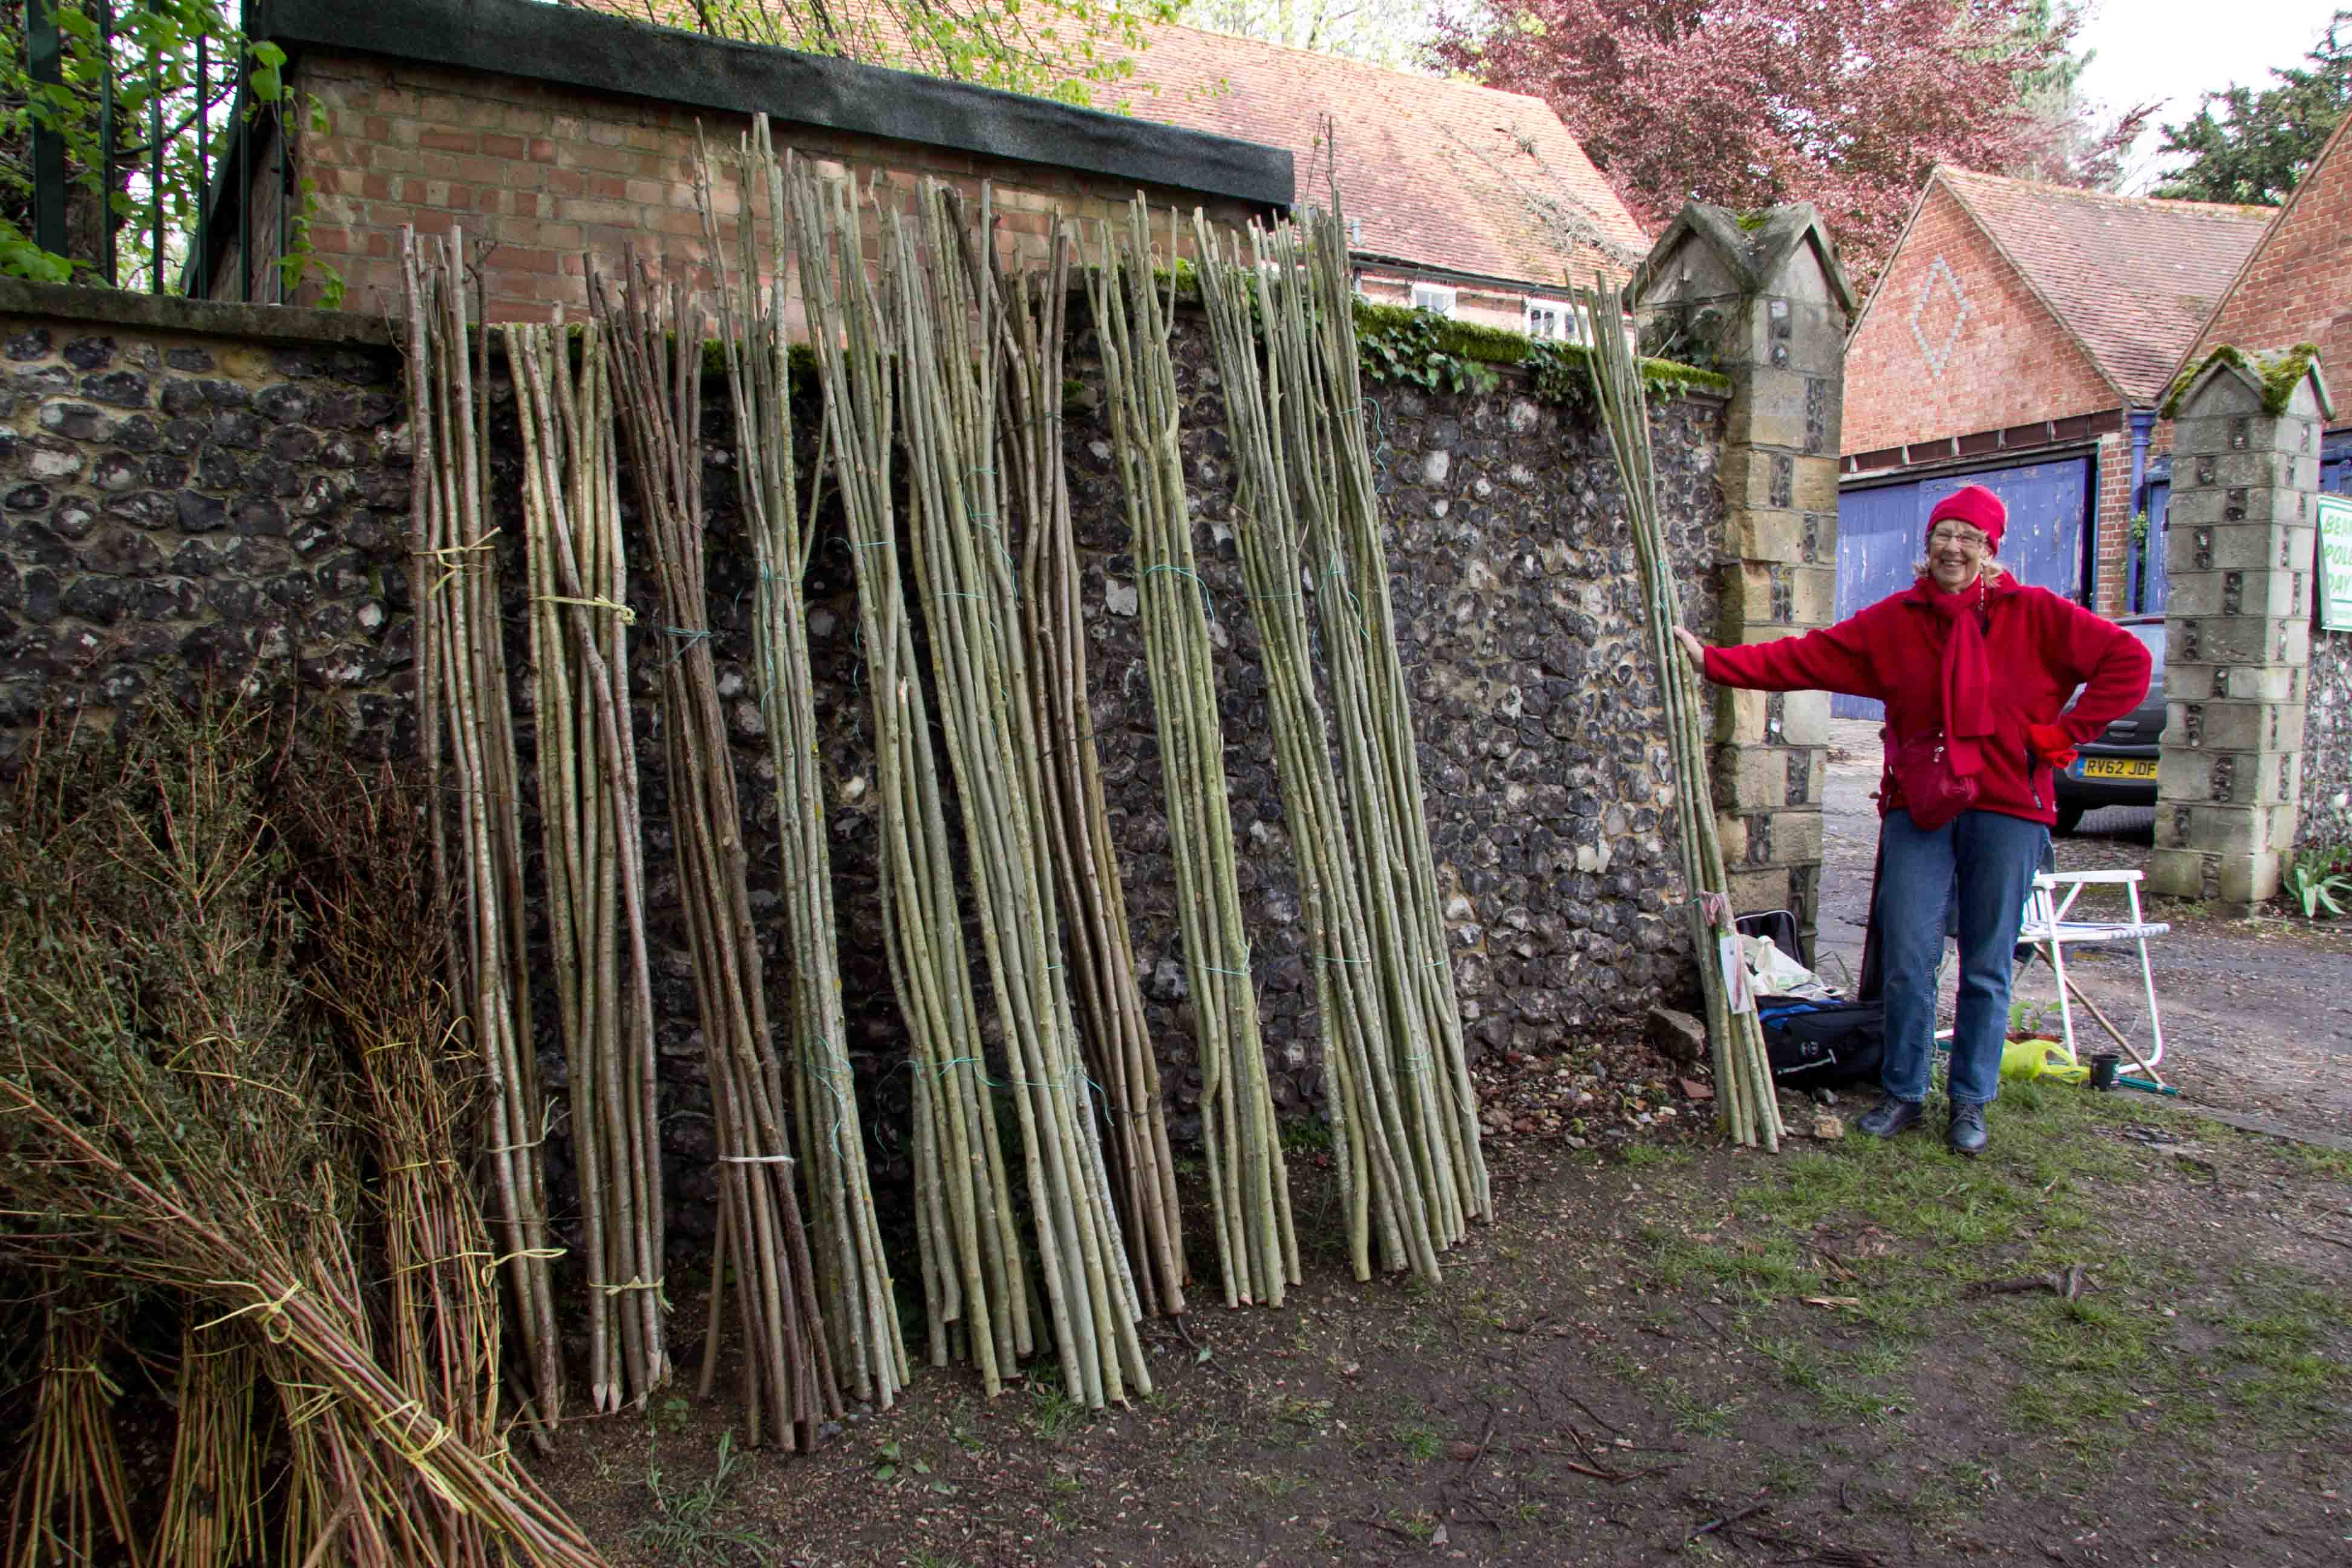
{"x": 1844, "y": 103}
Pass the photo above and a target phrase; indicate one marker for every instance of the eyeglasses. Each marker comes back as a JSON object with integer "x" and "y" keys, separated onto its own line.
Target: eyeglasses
{"x": 1966, "y": 538}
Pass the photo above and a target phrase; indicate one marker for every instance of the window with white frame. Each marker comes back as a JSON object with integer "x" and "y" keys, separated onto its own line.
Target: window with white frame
{"x": 1437, "y": 297}
{"x": 1554, "y": 319}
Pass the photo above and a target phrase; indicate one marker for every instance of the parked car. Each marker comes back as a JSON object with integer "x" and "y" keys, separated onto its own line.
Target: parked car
{"x": 2119, "y": 767}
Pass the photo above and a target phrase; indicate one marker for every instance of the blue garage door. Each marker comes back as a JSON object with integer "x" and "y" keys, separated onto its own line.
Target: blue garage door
{"x": 1881, "y": 532}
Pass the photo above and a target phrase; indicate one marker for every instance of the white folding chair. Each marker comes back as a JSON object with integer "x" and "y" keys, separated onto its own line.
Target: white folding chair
{"x": 2049, "y": 931}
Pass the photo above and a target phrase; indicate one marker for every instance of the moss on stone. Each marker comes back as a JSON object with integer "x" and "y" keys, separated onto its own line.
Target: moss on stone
{"x": 2277, "y": 374}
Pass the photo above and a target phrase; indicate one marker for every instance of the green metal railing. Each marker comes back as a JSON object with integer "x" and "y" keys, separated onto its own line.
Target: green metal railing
{"x": 143, "y": 138}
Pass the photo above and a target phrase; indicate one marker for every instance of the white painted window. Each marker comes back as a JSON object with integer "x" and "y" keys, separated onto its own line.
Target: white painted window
{"x": 1552, "y": 318}
{"x": 1435, "y": 297}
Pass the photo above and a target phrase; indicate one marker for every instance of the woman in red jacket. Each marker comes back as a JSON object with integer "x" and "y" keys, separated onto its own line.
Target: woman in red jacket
{"x": 1971, "y": 653}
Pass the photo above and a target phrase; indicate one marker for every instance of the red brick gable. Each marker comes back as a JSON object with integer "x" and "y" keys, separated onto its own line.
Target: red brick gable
{"x": 2132, "y": 277}
{"x": 2296, "y": 287}
{"x": 1953, "y": 341}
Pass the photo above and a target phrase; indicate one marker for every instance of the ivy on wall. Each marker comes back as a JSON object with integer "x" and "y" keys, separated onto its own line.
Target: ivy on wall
{"x": 1398, "y": 343}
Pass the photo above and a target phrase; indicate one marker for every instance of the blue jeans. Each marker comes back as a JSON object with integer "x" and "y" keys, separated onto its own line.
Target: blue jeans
{"x": 1984, "y": 863}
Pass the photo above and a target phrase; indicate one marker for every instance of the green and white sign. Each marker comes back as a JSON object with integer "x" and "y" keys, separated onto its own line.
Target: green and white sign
{"x": 2335, "y": 563}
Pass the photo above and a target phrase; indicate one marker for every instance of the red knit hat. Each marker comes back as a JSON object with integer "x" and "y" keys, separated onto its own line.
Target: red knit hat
{"x": 1977, "y": 507}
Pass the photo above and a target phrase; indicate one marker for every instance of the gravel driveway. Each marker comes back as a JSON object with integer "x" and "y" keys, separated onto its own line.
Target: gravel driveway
{"x": 2257, "y": 1014}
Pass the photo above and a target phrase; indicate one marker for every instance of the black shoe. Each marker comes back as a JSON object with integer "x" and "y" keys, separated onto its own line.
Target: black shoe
{"x": 1889, "y": 1116}
{"x": 1967, "y": 1133}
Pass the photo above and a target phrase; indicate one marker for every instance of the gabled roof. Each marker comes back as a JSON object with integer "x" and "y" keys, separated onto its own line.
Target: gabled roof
{"x": 1441, "y": 173}
{"x": 2311, "y": 227}
{"x": 2133, "y": 280}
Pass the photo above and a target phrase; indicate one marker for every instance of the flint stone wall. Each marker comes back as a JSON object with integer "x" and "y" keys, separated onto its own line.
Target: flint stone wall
{"x": 2326, "y": 815}
{"x": 177, "y": 500}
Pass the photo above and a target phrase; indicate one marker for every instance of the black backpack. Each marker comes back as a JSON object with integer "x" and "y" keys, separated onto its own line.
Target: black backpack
{"x": 1823, "y": 1045}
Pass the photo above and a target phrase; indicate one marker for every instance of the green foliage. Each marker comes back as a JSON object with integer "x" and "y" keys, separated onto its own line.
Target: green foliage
{"x": 2320, "y": 881}
{"x": 681, "y": 1529}
{"x": 1397, "y": 344}
{"x": 150, "y": 63}
{"x": 1394, "y": 344}
{"x": 2252, "y": 147}
{"x": 1068, "y": 51}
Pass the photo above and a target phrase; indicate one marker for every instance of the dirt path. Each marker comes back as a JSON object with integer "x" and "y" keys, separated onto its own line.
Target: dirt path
{"x": 2124, "y": 1336}
{"x": 2257, "y": 1014}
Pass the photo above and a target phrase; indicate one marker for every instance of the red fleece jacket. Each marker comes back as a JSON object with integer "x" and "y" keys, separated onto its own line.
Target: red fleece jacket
{"x": 2039, "y": 645}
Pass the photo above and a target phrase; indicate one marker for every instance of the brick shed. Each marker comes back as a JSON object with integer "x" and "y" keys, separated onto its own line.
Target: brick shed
{"x": 558, "y": 130}
{"x": 2022, "y": 335}
{"x": 555, "y": 131}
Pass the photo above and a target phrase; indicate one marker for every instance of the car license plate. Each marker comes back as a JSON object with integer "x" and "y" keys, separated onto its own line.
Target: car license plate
{"x": 2118, "y": 768}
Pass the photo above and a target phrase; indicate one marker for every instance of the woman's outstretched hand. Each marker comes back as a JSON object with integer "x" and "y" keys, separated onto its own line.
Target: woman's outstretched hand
{"x": 1694, "y": 650}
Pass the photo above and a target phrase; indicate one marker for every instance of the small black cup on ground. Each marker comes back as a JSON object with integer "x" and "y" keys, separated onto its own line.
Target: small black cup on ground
{"x": 2103, "y": 1069}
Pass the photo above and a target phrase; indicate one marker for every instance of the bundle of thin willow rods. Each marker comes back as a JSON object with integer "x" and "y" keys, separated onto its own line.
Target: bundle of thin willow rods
{"x": 1743, "y": 1075}
{"x": 949, "y": 343}
{"x": 370, "y": 966}
{"x": 468, "y": 737}
{"x": 183, "y": 1116}
{"x": 1372, "y": 1039}
{"x": 71, "y": 1482}
{"x": 1249, "y": 1186}
{"x": 1307, "y": 322}
{"x": 1321, "y": 250}
{"x": 1032, "y": 313}
{"x": 213, "y": 1506}
{"x": 976, "y": 1287}
{"x": 853, "y": 1275}
{"x": 594, "y": 860}
{"x": 655, "y": 338}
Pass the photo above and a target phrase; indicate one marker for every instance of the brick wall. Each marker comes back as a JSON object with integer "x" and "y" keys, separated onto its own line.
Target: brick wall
{"x": 551, "y": 176}
{"x": 2297, "y": 286}
{"x": 2009, "y": 363}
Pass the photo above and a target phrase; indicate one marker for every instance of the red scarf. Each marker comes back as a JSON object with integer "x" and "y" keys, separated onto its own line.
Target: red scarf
{"x": 1967, "y": 674}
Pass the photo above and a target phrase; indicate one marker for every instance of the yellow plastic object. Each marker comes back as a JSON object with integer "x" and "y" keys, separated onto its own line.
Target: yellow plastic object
{"x": 2023, "y": 1061}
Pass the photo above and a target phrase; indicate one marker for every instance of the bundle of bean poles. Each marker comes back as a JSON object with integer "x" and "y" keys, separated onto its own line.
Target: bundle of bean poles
{"x": 466, "y": 733}
{"x": 595, "y": 856}
{"x": 1376, "y": 1044}
{"x": 1310, "y": 336}
{"x": 1743, "y": 1075}
{"x": 1034, "y": 312}
{"x": 976, "y": 1287}
{"x": 185, "y": 1113}
{"x": 852, "y": 1277}
{"x": 948, "y": 342}
{"x": 1249, "y": 1187}
{"x": 762, "y": 1250}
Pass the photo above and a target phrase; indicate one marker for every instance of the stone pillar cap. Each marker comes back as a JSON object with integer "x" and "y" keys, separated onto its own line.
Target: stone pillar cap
{"x": 1755, "y": 247}
{"x": 2272, "y": 377}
